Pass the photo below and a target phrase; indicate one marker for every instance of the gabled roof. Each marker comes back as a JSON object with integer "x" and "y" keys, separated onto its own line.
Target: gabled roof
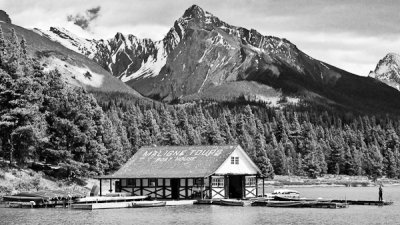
{"x": 174, "y": 162}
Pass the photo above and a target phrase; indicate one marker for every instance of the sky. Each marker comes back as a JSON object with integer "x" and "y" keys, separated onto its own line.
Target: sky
{"x": 350, "y": 34}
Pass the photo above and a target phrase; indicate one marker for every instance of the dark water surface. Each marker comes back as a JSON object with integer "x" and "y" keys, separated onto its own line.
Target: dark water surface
{"x": 213, "y": 214}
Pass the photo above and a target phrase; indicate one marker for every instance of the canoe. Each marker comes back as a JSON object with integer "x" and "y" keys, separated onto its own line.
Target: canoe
{"x": 231, "y": 202}
{"x": 145, "y": 204}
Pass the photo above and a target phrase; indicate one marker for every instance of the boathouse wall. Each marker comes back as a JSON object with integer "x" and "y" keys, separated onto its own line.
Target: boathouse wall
{"x": 188, "y": 172}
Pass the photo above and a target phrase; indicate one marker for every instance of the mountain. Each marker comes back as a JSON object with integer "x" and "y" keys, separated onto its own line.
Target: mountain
{"x": 4, "y": 17}
{"x": 75, "y": 68}
{"x": 388, "y": 70}
{"x": 202, "y": 57}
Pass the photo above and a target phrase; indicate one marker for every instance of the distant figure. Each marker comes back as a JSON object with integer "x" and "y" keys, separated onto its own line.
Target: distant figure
{"x": 380, "y": 193}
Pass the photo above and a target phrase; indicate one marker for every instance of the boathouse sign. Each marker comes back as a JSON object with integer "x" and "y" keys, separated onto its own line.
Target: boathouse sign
{"x": 179, "y": 155}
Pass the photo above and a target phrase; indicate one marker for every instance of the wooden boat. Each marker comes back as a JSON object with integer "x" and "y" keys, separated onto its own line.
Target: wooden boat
{"x": 103, "y": 205}
{"x": 231, "y": 202}
{"x": 104, "y": 199}
{"x": 286, "y": 193}
{"x": 144, "y": 204}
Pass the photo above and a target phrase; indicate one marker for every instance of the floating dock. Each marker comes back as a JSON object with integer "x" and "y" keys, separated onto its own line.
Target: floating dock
{"x": 300, "y": 204}
{"x": 363, "y": 202}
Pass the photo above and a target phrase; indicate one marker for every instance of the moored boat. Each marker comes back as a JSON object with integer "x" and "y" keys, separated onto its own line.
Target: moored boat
{"x": 104, "y": 199}
{"x": 286, "y": 193}
{"x": 144, "y": 204}
{"x": 231, "y": 202}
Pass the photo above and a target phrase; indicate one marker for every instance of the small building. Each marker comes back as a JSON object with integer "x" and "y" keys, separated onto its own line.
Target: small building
{"x": 188, "y": 172}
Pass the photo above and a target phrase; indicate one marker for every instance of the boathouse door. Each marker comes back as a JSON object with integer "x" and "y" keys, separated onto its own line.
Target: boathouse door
{"x": 175, "y": 188}
{"x": 236, "y": 186}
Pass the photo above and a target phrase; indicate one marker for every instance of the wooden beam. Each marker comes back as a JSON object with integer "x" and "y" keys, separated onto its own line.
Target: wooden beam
{"x": 186, "y": 188}
{"x": 201, "y": 188}
{"x": 263, "y": 191}
{"x": 256, "y": 186}
{"x": 209, "y": 185}
{"x": 100, "y": 188}
{"x": 226, "y": 184}
{"x": 164, "y": 187}
{"x": 141, "y": 186}
{"x": 110, "y": 185}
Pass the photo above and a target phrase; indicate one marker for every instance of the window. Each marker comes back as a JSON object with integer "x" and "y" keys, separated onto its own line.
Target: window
{"x": 152, "y": 182}
{"x": 130, "y": 182}
{"x": 137, "y": 182}
{"x": 145, "y": 182}
{"x": 250, "y": 181}
{"x": 234, "y": 160}
{"x": 198, "y": 181}
{"x": 217, "y": 182}
{"x": 167, "y": 182}
{"x": 183, "y": 182}
{"x": 160, "y": 182}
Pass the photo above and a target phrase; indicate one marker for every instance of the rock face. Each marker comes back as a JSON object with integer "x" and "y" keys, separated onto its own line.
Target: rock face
{"x": 388, "y": 70}
{"x": 202, "y": 57}
{"x": 4, "y": 17}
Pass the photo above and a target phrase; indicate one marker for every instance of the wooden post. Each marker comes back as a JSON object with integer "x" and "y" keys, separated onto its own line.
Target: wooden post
{"x": 186, "y": 188}
{"x": 100, "y": 187}
{"x": 226, "y": 184}
{"x": 243, "y": 187}
{"x": 110, "y": 185}
{"x": 201, "y": 188}
{"x": 263, "y": 191}
{"x": 164, "y": 187}
{"x": 256, "y": 186}
{"x": 155, "y": 186}
{"x": 141, "y": 186}
{"x": 209, "y": 185}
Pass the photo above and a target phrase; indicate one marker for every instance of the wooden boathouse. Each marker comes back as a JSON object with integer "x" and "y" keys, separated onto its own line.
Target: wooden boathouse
{"x": 188, "y": 172}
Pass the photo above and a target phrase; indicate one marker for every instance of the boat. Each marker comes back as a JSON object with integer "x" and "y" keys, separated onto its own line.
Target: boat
{"x": 231, "y": 202}
{"x": 286, "y": 193}
{"x": 144, "y": 204}
{"x": 104, "y": 199}
{"x": 103, "y": 205}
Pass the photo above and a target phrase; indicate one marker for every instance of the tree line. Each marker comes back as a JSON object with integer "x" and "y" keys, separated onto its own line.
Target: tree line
{"x": 42, "y": 118}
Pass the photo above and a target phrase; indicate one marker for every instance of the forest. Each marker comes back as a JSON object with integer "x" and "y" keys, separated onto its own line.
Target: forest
{"x": 44, "y": 119}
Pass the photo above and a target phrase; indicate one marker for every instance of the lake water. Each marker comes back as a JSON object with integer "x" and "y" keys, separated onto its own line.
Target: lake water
{"x": 214, "y": 214}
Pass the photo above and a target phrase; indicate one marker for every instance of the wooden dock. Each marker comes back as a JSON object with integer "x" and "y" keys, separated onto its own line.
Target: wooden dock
{"x": 300, "y": 204}
{"x": 363, "y": 202}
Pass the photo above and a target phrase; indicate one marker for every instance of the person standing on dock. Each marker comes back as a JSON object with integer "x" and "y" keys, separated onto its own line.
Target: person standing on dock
{"x": 380, "y": 193}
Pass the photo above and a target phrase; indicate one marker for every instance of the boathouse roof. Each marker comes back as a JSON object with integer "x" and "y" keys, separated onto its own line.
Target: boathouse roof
{"x": 177, "y": 162}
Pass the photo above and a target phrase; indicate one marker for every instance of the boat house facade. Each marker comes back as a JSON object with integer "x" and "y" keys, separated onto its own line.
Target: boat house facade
{"x": 188, "y": 172}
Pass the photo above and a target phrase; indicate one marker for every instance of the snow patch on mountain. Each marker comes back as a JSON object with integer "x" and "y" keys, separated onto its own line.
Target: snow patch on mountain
{"x": 388, "y": 70}
{"x": 74, "y": 74}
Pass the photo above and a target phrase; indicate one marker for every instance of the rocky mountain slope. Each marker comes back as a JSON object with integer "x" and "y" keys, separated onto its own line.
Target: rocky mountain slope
{"x": 203, "y": 57}
{"x": 388, "y": 70}
{"x": 75, "y": 68}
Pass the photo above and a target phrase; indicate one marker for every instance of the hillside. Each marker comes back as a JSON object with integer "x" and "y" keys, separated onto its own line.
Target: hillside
{"x": 73, "y": 66}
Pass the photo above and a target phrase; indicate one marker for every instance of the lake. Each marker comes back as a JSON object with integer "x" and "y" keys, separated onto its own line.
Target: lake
{"x": 214, "y": 214}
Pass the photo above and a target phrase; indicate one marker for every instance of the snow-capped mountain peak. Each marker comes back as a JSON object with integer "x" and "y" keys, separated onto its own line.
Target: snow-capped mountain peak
{"x": 388, "y": 70}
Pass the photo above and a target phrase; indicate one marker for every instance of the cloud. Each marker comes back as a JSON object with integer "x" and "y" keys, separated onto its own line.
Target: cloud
{"x": 84, "y": 21}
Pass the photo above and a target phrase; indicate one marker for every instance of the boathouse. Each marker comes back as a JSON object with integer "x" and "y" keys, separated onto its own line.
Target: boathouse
{"x": 188, "y": 172}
